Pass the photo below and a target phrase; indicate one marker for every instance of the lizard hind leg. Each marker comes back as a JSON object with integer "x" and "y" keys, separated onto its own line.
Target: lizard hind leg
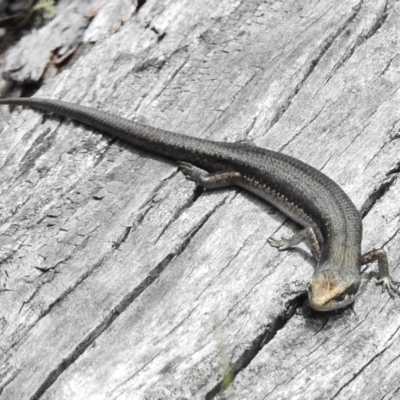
{"x": 208, "y": 180}
{"x": 307, "y": 235}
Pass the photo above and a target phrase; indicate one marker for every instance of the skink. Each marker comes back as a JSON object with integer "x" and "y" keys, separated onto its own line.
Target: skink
{"x": 332, "y": 224}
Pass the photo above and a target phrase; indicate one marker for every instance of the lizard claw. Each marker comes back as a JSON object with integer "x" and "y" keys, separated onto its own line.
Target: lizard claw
{"x": 192, "y": 172}
{"x": 189, "y": 170}
{"x": 281, "y": 244}
{"x": 389, "y": 285}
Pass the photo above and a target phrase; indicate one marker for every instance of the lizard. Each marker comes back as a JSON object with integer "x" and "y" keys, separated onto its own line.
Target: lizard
{"x": 332, "y": 225}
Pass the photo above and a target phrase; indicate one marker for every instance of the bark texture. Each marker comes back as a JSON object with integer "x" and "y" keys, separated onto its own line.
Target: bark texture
{"x": 118, "y": 280}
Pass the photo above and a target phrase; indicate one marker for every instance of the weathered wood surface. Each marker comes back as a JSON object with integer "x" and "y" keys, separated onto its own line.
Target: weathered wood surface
{"x": 39, "y": 54}
{"x": 119, "y": 281}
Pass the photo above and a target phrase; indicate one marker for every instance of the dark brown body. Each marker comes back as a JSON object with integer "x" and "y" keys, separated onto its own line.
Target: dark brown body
{"x": 303, "y": 193}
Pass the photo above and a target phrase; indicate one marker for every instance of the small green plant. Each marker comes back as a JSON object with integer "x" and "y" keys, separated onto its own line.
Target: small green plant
{"x": 41, "y": 12}
{"x": 227, "y": 375}
{"x": 38, "y": 13}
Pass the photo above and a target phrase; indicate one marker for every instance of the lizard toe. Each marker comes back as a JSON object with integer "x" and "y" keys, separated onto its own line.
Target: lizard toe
{"x": 389, "y": 286}
{"x": 281, "y": 244}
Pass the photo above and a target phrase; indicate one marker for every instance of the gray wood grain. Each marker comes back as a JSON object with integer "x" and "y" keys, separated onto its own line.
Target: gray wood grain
{"x": 119, "y": 281}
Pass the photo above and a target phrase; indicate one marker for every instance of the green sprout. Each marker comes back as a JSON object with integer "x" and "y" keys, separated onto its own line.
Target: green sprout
{"x": 38, "y": 13}
{"x": 42, "y": 12}
{"x": 227, "y": 374}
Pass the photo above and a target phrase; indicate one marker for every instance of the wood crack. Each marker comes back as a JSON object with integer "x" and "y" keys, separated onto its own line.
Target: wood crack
{"x": 380, "y": 19}
{"x": 116, "y": 312}
{"x": 260, "y": 341}
{"x": 376, "y": 195}
{"x": 312, "y": 65}
{"x": 358, "y": 373}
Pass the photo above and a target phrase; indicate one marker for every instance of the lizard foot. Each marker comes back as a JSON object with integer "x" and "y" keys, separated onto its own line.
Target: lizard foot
{"x": 389, "y": 285}
{"x": 282, "y": 244}
{"x": 307, "y": 234}
{"x": 192, "y": 172}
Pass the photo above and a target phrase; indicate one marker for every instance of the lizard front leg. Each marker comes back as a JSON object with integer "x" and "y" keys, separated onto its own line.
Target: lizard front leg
{"x": 383, "y": 266}
{"x": 307, "y": 235}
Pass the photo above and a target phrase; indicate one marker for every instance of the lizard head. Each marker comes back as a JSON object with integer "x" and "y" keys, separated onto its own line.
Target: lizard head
{"x": 329, "y": 291}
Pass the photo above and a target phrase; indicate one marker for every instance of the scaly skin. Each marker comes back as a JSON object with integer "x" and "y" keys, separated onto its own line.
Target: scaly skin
{"x": 333, "y": 226}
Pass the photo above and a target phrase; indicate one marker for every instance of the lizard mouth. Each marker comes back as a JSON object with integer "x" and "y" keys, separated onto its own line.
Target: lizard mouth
{"x": 326, "y": 303}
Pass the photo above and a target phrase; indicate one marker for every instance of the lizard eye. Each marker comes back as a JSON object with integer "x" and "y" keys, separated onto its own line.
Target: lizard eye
{"x": 342, "y": 297}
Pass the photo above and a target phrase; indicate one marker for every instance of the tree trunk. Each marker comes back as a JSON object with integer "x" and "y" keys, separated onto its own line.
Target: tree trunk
{"x": 120, "y": 280}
